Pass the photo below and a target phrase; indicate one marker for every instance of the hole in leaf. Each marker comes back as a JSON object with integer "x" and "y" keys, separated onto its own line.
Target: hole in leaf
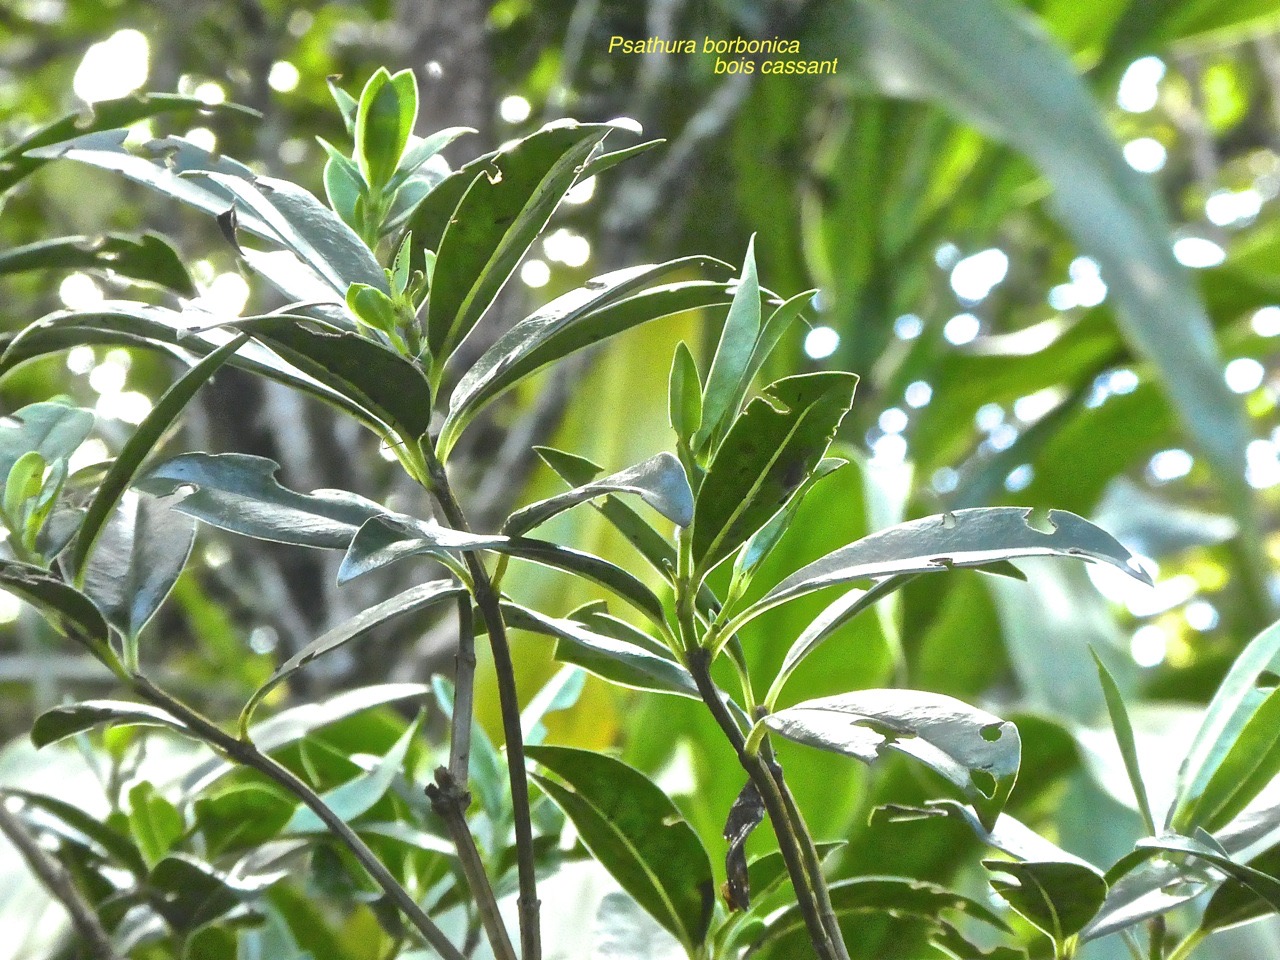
{"x": 984, "y": 782}
{"x": 1267, "y": 680}
{"x": 1037, "y": 519}
{"x": 948, "y": 521}
{"x": 992, "y": 732}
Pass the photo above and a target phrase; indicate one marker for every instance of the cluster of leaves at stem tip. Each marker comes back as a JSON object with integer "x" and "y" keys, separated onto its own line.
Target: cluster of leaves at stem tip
{"x": 378, "y": 289}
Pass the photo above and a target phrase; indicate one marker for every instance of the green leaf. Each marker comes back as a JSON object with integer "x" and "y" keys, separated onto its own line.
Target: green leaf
{"x": 385, "y": 117}
{"x": 616, "y": 660}
{"x": 189, "y": 893}
{"x": 1235, "y": 903}
{"x": 377, "y": 378}
{"x": 603, "y": 307}
{"x": 69, "y": 610}
{"x": 1057, "y": 898}
{"x": 118, "y": 847}
{"x": 768, "y": 453}
{"x": 684, "y": 395}
{"x": 347, "y": 104}
{"x": 388, "y": 538}
{"x": 241, "y": 817}
{"x": 901, "y": 896}
{"x": 1248, "y": 765}
{"x": 373, "y": 307}
{"x": 767, "y": 873}
{"x": 53, "y": 430}
{"x": 728, "y": 380}
{"x": 423, "y": 150}
{"x": 497, "y": 220}
{"x": 1123, "y": 729}
{"x": 139, "y": 447}
{"x": 301, "y": 224}
{"x": 976, "y": 537}
{"x": 154, "y": 822}
{"x": 1262, "y": 884}
{"x": 343, "y": 184}
{"x": 974, "y": 750}
{"x": 1246, "y": 685}
{"x": 659, "y": 481}
{"x": 357, "y": 796}
{"x": 25, "y": 481}
{"x": 637, "y": 834}
{"x": 140, "y": 555}
{"x": 410, "y": 601}
{"x": 62, "y": 722}
{"x": 1031, "y": 96}
{"x": 21, "y": 159}
{"x": 147, "y": 257}
{"x": 600, "y": 162}
{"x": 170, "y": 331}
{"x": 561, "y": 692}
{"x": 237, "y": 492}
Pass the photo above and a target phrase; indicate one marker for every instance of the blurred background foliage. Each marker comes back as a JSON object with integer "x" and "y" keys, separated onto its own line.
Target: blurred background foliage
{"x": 1045, "y": 235}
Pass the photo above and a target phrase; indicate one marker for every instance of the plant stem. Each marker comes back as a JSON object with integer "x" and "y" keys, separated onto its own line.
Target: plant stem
{"x": 509, "y": 703}
{"x": 1156, "y": 932}
{"x": 1184, "y": 949}
{"x": 56, "y": 880}
{"x": 246, "y": 754}
{"x": 450, "y": 799}
{"x": 464, "y": 694}
{"x": 810, "y": 887}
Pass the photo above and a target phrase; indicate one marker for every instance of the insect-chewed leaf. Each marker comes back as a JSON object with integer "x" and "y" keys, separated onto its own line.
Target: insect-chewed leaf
{"x": 240, "y": 493}
{"x": 62, "y": 722}
{"x": 659, "y": 481}
{"x": 607, "y": 305}
{"x": 967, "y": 538}
{"x": 497, "y": 219}
{"x": 637, "y": 834}
{"x": 976, "y": 751}
{"x": 768, "y": 453}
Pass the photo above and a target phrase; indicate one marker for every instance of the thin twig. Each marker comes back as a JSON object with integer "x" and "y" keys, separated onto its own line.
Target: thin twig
{"x": 246, "y": 754}
{"x": 450, "y": 799}
{"x": 509, "y": 703}
{"x": 464, "y": 682}
{"x": 58, "y": 882}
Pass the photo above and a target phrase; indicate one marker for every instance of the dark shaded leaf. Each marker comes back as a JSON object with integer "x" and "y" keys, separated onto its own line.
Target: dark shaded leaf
{"x": 62, "y": 722}
{"x": 1234, "y": 903}
{"x": 66, "y": 607}
{"x": 1057, "y": 898}
{"x": 189, "y": 893}
{"x": 241, "y": 817}
{"x": 498, "y": 218}
{"x": 637, "y": 834}
{"x": 142, "y": 551}
{"x": 146, "y": 257}
{"x": 767, "y": 454}
{"x": 976, "y": 751}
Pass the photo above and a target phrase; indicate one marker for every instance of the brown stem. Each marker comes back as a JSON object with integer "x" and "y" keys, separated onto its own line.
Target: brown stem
{"x": 246, "y": 754}
{"x": 509, "y": 703}
{"x": 56, "y": 880}
{"x": 450, "y": 799}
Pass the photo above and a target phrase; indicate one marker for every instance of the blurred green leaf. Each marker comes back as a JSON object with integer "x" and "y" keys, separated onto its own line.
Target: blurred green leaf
{"x": 62, "y": 722}
{"x": 147, "y": 256}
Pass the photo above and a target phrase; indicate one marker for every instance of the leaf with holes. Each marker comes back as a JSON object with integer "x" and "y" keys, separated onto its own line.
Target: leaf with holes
{"x": 979, "y": 537}
{"x": 974, "y": 750}
{"x": 768, "y": 453}
{"x": 637, "y": 834}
